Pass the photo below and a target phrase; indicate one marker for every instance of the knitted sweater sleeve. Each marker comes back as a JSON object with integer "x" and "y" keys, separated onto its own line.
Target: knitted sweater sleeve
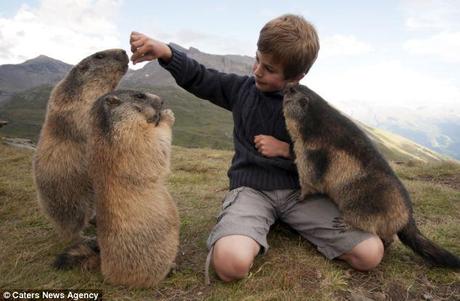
{"x": 218, "y": 87}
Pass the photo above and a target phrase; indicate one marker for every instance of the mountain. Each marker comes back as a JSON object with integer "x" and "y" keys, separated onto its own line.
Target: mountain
{"x": 153, "y": 75}
{"x": 41, "y": 70}
{"x": 198, "y": 122}
{"x": 437, "y": 128}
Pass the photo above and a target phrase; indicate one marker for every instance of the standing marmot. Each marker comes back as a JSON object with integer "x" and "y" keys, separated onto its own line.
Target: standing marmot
{"x": 137, "y": 220}
{"x": 60, "y": 166}
{"x": 335, "y": 157}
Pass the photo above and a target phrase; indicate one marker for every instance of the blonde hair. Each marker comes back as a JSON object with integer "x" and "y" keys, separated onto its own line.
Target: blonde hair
{"x": 292, "y": 41}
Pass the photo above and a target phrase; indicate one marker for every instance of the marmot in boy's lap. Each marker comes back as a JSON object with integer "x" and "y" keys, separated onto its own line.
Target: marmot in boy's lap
{"x": 60, "y": 166}
{"x": 336, "y": 158}
{"x": 129, "y": 156}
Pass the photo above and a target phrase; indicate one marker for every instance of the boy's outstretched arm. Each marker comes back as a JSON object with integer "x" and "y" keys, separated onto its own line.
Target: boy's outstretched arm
{"x": 145, "y": 48}
{"x": 218, "y": 87}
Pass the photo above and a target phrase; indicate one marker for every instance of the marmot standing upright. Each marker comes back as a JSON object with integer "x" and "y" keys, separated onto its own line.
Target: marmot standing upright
{"x": 60, "y": 165}
{"x": 336, "y": 158}
{"x": 137, "y": 220}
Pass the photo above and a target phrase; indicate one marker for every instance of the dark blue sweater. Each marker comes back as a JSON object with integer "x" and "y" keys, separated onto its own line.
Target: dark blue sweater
{"x": 254, "y": 113}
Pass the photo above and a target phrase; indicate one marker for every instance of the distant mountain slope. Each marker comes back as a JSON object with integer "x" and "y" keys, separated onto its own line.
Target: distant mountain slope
{"x": 152, "y": 74}
{"x": 41, "y": 70}
{"x": 398, "y": 148}
{"x": 32, "y": 73}
{"x": 435, "y": 127}
{"x": 198, "y": 122}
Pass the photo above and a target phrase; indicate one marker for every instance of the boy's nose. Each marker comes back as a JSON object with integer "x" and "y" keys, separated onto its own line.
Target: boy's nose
{"x": 257, "y": 70}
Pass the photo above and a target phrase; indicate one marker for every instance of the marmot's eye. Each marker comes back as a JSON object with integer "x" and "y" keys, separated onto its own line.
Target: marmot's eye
{"x": 140, "y": 95}
{"x": 139, "y": 109}
{"x": 100, "y": 55}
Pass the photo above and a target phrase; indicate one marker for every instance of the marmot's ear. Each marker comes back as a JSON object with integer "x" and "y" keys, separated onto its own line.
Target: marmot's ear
{"x": 83, "y": 67}
{"x": 112, "y": 100}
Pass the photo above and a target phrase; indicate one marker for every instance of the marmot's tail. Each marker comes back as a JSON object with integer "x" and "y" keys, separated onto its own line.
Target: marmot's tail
{"x": 434, "y": 254}
{"x": 83, "y": 254}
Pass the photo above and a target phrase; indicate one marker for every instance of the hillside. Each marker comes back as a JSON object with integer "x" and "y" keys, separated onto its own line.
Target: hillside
{"x": 291, "y": 270}
{"x": 198, "y": 123}
{"x": 25, "y": 89}
{"x": 41, "y": 70}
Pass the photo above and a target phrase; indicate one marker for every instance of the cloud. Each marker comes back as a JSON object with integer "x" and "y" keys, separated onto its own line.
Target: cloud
{"x": 343, "y": 45}
{"x": 445, "y": 45}
{"x": 67, "y": 30}
{"x": 438, "y": 15}
{"x": 386, "y": 83}
{"x": 437, "y": 25}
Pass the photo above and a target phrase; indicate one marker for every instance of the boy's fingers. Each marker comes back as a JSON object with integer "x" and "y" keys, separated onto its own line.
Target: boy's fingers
{"x": 136, "y": 35}
{"x": 137, "y": 43}
{"x": 143, "y": 58}
{"x": 135, "y": 56}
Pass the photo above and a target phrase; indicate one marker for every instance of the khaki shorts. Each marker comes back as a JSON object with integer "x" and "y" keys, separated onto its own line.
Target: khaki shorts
{"x": 249, "y": 212}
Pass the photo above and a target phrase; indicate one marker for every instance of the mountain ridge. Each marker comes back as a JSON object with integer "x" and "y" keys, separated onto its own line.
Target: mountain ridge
{"x": 26, "y": 104}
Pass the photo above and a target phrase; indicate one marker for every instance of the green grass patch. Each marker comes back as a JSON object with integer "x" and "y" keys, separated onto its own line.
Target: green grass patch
{"x": 291, "y": 270}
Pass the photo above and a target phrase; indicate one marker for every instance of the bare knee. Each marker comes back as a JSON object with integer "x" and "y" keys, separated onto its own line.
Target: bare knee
{"x": 366, "y": 255}
{"x": 233, "y": 256}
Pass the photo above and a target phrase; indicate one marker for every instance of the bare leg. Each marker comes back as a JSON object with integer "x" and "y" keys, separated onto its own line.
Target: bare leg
{"x": 233, "y": 256}
{"x": 366, "y": 255}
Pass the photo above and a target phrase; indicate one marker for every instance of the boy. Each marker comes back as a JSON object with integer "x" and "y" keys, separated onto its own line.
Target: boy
{"x": 264, "y": 182}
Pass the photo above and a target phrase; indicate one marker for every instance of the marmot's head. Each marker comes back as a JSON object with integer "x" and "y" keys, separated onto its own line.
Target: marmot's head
{"x": 99, "y": 72}
{"x": 296, "y": 103}
{"x": 126, "y": 109}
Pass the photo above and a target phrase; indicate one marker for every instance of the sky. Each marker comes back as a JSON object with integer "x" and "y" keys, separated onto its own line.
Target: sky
{"x": 381, "y": 53}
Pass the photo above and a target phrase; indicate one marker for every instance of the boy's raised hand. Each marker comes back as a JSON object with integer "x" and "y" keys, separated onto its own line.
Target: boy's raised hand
{"x": 269, "y": 146}
{"x": 145, "y": 48}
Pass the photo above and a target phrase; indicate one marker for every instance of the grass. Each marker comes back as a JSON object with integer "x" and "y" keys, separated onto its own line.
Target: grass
{"x": 291, "y": 270}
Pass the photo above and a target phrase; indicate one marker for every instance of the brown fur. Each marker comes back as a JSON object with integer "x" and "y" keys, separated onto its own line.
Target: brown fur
{"x": 137, "y": 220}
{"x": 334, "y": 157}
{"x": 60, "y": 167}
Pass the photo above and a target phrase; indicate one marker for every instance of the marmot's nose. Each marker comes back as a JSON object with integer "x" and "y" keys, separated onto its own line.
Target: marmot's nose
{"x": 121, "y": 56}
{"x": 290, "y": 88}
{"x": 151, "y": 114}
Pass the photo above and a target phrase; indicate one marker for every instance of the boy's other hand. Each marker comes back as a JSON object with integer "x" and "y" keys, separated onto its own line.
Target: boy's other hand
{"x": 269, "y": 146}
{"x": 145, "y": 48}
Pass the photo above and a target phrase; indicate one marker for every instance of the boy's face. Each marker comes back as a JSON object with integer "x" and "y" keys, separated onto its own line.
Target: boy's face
{"x": 269, "y": 75}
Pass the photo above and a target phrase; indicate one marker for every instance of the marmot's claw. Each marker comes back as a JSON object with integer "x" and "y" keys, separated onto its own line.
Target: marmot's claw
{"x": 168, "y": 115}
{"x": 339, "y": 224}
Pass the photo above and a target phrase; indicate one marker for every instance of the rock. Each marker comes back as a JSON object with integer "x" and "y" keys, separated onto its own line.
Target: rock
{"x": 358, "y": 297}
{"x": 427, "y": 296}
{"x": 20, "y": 142}
{"x": 378, "y": 296}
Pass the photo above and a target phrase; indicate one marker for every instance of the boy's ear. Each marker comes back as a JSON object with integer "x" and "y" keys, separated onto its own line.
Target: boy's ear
{"x": 295, "y": 80}
{"x": 298, "y": 77}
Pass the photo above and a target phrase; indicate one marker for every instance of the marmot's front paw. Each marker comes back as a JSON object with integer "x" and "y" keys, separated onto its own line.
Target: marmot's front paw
{"x": 168, "y": 116}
